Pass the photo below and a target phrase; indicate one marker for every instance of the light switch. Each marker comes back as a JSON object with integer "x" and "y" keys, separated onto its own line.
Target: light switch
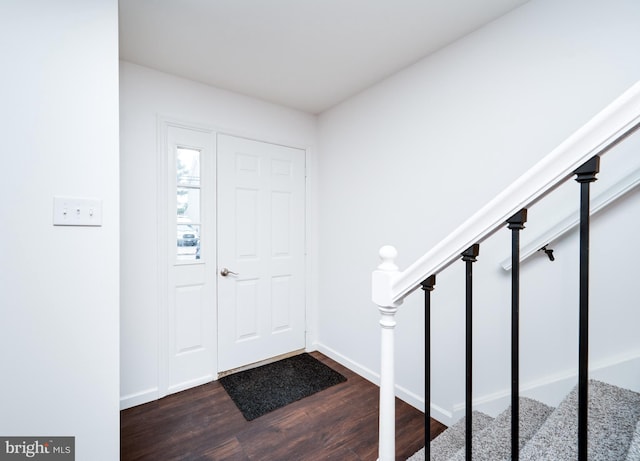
{"x": 76, "y": 211}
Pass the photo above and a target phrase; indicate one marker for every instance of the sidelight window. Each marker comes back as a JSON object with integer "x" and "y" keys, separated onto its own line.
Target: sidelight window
{"x": 188, "y": 193}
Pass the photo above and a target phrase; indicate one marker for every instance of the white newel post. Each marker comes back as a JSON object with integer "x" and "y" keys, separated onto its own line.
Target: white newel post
{"x": 381, "y": 294}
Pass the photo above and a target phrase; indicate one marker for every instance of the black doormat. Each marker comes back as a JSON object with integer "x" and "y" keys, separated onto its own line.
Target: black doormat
{"x": 269, "y": 387}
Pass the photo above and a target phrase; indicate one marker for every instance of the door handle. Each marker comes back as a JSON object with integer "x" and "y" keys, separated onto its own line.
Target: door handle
{"x": 224, "y": 272}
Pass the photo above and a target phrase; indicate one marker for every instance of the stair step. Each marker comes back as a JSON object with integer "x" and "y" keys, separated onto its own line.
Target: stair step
{"x": 451, "y": 440}
{"x": 614, "y": 430}
{"x": 634, "y": 448}
{"x": 494, "y": 442}
{"x": 613, "y": 415}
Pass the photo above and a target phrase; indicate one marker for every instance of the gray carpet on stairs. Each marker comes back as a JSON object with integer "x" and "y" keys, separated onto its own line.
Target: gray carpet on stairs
{"x": 494, "y": 442}
{"x": 613, "y": 415}
{"x": 446, "y": 444}
{"x": 551, "y": 434}
{"x": 634, "y": 448}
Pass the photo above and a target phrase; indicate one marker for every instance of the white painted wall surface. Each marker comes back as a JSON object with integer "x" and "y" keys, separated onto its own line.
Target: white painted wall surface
{"x": 59, "y": 286}
{"x": 145, "y": 94}
{"x": 408, "y": 160}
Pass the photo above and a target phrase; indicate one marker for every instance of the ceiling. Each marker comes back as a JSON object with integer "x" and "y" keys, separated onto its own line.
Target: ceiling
{"x": 304, "y": 54}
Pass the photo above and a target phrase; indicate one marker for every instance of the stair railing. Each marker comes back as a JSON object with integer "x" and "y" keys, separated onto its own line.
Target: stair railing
{"x": 577, "y": 155}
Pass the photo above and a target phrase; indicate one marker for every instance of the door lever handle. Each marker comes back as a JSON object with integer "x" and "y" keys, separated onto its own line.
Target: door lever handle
{"x": 224, "y": 272}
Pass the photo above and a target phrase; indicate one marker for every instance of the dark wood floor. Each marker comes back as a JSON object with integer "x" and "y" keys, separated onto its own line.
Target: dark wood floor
{"x": 339, "y": 423}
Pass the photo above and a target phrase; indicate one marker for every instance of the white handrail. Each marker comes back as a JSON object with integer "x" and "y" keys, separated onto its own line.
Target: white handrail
{"x": 595, "y": 137}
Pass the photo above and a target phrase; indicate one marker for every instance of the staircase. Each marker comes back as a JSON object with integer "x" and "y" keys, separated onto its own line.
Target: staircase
{"x": 550, "y": 434}
{"x": 596, "y": 421}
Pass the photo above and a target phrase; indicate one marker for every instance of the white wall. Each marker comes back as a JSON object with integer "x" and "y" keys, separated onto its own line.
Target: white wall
{"x": 145, "y": 95}
{"x": 408, "y": 160}
{"x": 59, "y": 286}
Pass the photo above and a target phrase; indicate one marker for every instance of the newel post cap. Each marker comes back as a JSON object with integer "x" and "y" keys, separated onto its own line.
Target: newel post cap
{"x": 388, "y": 255}
{"x": 382, "y": 278}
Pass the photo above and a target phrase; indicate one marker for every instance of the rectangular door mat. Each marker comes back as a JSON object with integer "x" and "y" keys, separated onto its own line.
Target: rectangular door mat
{"x": 266, "y": 388}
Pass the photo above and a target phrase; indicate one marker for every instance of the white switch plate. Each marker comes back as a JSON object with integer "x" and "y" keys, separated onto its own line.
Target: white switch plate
{"x": 75, "y": 211}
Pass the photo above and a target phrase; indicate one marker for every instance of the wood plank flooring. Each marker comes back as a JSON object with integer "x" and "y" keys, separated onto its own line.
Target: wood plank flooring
{"x": 203, "y": 423}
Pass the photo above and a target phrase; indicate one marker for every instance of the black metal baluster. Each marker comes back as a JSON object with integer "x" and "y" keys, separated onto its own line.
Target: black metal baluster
{"x": 586, "y": 174}
{"x": 469, "y": 257}
{"x": 428, "y": 285}
{"x": 516, "y": 224}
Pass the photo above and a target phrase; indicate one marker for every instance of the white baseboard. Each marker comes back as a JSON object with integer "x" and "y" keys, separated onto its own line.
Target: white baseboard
{"x": 402, "y": 393}
{"x": 152, "y": 394}
{"x": 139, "y": 398}
{"x": 363, "y": 371}
{"x": 183, "y": 386}
{"x": 441, "y": 415}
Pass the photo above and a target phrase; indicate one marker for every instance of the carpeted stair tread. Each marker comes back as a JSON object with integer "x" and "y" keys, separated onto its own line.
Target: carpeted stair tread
{"x": 446, "y": 444}
{"x": 418, "y": 455}
{"x": 613, "y": 415}
{"x": 614, "y": 430}
{"x": 494, "y": 442}
{"x": 634, "y": 449}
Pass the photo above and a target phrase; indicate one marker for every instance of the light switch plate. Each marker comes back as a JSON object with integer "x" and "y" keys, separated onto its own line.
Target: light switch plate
{"x": 77, "y": 211}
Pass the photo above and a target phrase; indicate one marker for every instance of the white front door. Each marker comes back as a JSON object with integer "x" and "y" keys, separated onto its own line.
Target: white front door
{"x": 191, "y": 256}
{"x": 261, "y": 251}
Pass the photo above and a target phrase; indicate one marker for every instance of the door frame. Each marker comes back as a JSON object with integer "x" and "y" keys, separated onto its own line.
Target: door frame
{"x": 310, "y": 240}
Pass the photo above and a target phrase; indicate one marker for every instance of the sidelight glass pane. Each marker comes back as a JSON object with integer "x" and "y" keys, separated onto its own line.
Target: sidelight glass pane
{"x": 188, "y": 242}
{"x": 188, "y": 219}
{"x": 188, "y": 205}
{"x": 188, "y": 167}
